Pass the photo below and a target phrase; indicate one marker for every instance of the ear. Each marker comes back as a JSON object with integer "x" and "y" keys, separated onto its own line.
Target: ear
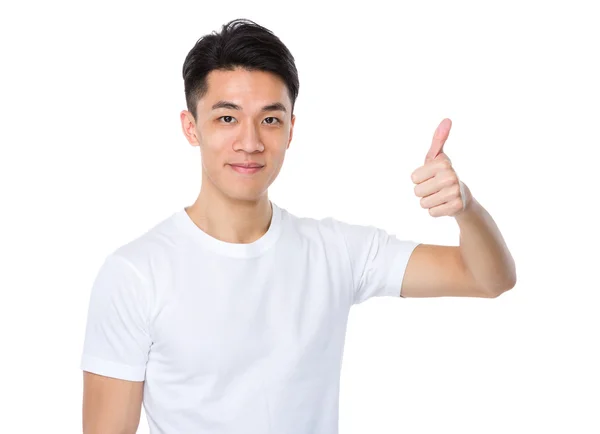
{"x": 188, "y": 125}
{"x": 291, "y": 131}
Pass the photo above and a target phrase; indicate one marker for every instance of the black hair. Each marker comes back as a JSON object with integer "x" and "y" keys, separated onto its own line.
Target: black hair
{"x": 241, "y": 43}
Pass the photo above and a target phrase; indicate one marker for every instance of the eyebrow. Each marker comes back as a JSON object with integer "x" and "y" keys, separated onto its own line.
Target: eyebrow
{"x": 277, "y": 106}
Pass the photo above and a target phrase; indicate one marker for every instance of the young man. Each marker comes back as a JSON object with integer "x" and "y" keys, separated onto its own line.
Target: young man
{"x": 230, "y": 315}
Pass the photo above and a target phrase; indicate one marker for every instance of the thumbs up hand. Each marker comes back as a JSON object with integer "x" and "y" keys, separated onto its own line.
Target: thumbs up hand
{"x": 437, "y": 184}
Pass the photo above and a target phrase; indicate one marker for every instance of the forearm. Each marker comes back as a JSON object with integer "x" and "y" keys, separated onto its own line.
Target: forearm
{"x": 483, "y": 248}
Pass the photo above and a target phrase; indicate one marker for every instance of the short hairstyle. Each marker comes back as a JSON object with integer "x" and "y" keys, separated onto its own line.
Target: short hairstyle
{"x": 241, "y": 43}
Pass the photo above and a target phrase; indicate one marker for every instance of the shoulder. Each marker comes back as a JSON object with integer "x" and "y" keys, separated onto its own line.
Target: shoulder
{"x": 152, "y": 248}
{"x": 334, "y": 228}
{"x": 326, "y": 228}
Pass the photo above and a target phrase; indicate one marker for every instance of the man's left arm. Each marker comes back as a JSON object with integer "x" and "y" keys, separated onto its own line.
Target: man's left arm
{"x": 482, "y": 265}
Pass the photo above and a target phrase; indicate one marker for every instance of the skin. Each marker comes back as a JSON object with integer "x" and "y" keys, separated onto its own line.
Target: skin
{"x": 442, "y": 193}
{"x": 231, "y": 206}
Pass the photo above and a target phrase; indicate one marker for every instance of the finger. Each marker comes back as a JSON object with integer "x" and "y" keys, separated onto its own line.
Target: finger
{"x": 447, "y": 209}
{"x": 439, "y": 138}
{"x": 430, "y": 169}
{"x": 444, "y": 195}
{"x": 429, "y": 187}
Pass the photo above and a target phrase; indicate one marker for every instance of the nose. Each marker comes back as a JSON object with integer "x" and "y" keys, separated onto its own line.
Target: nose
{"x": 249, "y": 139}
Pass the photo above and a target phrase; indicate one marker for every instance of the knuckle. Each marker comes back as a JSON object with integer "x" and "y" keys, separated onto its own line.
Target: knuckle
{"x": 452, "y": 179}
{"x": 445, "y": 164}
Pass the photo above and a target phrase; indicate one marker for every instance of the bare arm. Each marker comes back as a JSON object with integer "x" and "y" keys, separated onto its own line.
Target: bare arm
{"x": 110, "y": 405}
{"x": 481, "y": 266}
{"x": 484, "y": 250}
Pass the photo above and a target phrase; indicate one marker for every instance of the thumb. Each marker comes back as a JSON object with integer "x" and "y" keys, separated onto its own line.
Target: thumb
{"x": 439, "y": 138}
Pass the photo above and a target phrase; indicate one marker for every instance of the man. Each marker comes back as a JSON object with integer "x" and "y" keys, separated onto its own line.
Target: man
{"x": 230, "y": 315}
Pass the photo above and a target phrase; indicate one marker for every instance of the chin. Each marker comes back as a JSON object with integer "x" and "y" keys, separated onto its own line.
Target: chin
{"x": 249, "y": 189}
{"x": 246, "y": 194}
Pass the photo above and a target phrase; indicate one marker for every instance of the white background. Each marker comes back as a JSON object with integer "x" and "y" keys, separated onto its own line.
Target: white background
{"x": 92, "y": 155}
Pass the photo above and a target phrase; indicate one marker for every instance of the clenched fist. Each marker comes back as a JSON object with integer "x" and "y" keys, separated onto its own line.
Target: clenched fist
{"x": 442, "y": 193}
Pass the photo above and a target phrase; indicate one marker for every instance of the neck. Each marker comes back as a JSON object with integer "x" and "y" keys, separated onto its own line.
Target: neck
{"x": 230, "y": 220}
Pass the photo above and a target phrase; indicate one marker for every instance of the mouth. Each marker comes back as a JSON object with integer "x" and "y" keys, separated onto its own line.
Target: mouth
{"x": 246, "y": 168}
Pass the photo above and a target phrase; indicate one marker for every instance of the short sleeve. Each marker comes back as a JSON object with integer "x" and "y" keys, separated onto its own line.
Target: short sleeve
{"x": 117, "y": 340}
{"x": 378, "y": 261}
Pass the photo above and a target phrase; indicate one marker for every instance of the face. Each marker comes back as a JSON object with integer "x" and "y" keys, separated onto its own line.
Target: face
{"x": 243, "y": 120}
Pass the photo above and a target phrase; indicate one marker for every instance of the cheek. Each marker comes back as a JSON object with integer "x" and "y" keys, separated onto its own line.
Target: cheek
{"x": 215, "y": 147}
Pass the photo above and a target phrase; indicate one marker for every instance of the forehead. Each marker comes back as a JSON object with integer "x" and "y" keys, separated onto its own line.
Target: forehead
{"x": 250, "y": 89}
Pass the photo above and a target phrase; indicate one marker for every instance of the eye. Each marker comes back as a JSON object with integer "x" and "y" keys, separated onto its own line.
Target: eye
{"x": 227, "y": 117}
{"x": 275, "y": 119}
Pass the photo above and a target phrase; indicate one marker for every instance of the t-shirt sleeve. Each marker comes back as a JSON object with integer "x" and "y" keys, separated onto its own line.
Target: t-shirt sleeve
{"x": 117, "y": 339}
{"x": 378, "y": 261}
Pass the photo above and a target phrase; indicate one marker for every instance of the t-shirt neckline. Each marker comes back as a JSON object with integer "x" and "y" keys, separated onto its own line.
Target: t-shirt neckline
{"x": 235, "y": 250}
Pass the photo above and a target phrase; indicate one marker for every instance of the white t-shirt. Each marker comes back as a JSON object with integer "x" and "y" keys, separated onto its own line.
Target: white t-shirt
{"x": 237, "y": 338}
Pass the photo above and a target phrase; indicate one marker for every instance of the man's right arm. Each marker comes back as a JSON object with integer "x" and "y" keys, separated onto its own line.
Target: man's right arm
{"x": 111, "y": 405}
